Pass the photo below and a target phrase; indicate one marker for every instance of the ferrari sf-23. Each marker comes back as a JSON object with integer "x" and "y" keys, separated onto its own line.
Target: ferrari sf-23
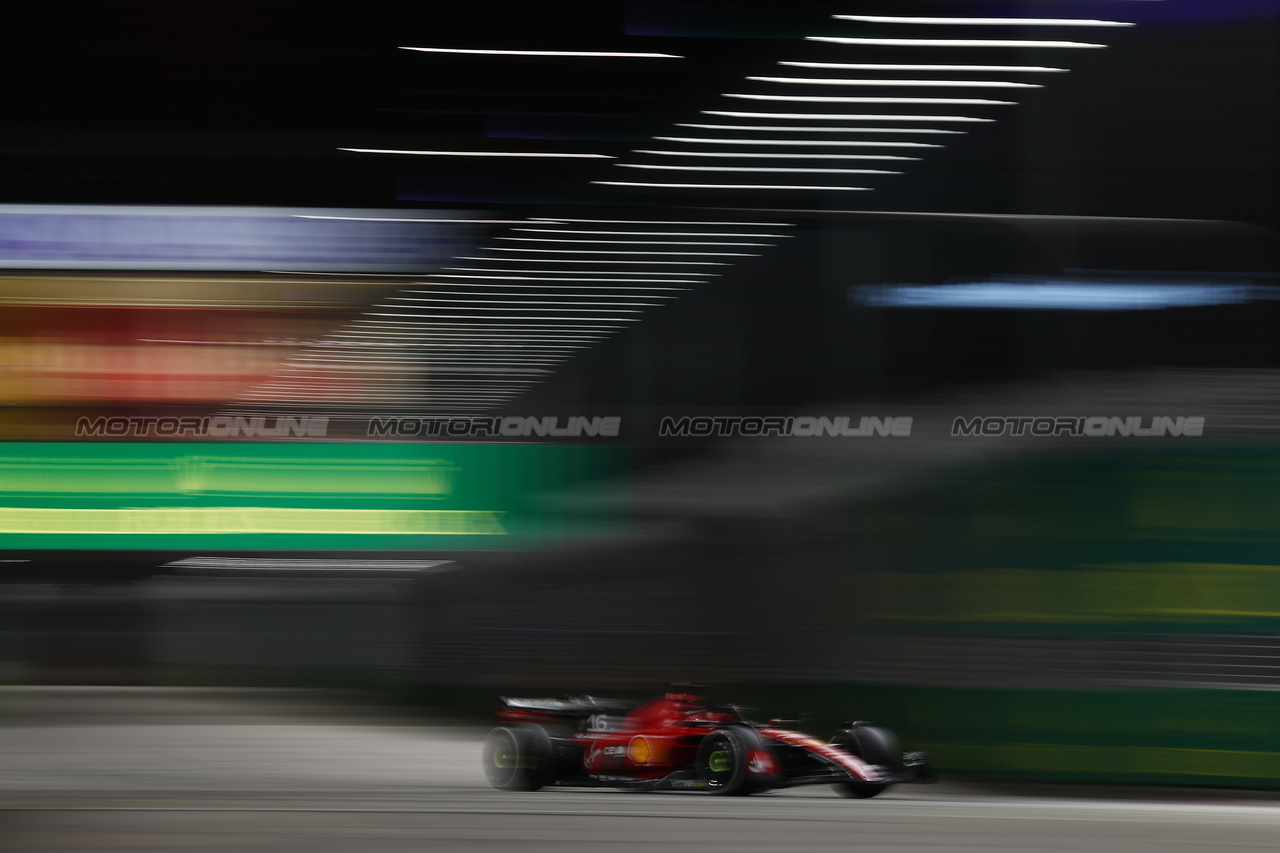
{"x": 679, "y": 742}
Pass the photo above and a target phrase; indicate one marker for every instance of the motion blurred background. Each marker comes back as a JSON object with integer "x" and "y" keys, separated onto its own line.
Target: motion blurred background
{"x": 337, "y": 346}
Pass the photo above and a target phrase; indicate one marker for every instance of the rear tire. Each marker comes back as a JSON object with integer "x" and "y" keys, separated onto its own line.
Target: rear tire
{"x": 518, "y": 757}
{"x": 872, "y": 745}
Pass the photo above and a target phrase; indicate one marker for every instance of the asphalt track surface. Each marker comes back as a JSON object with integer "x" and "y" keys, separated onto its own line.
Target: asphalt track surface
{"x": 85, "y": 771}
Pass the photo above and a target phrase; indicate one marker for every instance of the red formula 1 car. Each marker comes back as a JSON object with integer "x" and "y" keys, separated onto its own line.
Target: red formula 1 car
{"x": 680, "y": 742}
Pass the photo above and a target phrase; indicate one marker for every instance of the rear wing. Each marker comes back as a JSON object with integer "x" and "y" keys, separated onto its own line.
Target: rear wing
{"x": 568, "y": 706}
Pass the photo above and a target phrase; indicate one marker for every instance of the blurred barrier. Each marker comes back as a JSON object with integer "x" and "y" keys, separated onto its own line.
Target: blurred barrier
{"x": 1178, "y": 736}
{"x": 358, "y": 626}
{"x": 1076, "y": 614}
{"x": 1235, "y": 661}
{"x": 284, "y": 495}
{"x": 178, "y": 237}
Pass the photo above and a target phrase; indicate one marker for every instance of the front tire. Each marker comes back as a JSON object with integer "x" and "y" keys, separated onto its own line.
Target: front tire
{"x": 872, "y": 745}
{"x": 518, "y": 757}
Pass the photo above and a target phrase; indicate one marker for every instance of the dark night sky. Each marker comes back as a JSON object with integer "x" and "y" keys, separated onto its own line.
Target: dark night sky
{"x": 247, "y": 103}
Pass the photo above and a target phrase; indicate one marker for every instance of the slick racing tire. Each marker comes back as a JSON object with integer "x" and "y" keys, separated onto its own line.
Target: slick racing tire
{"x": 518, "y": 757}
{"x": 872, "y": 745}
{"x": 722, "y": 760}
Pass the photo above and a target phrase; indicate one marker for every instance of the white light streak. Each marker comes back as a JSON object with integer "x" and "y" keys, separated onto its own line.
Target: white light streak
{"x": 479, "y": 339}
{"x": 982, "y": 22}
{"x": 426, "y": 337}
{"x": 430, "y": 368}
{"x": 476, "y": 153}
{"x": 534, "y": 322}
{"x": 793, "y": 129}
{"x": 487, "y": 300}
{"x": 770, "y": 155}
{"x": 856, "y": 99}
{"x": 880, "y": 66}
{"x": 961, "y": 84}
{"x": 490, "y": 296}
{"x": 610, "y": 281}
{"x": 633, "y": 242}
{"x": 362, "y": 274}
{"x": 575, "y": 283}
{"x": 724, "y": 186}
{"x": 771, "y": 169}
{"x": 954, "y": 42}
{"x": 607, "y": 252}
{"x": 602, "y": 261}
{"x": 825, "y": 143}
{"x": 588, "y": 53}
{"x": 474, "y": 337}
{"x": 645, "y": 233}
{"x": 546, "y": 329}
{"x": 1017, "y": 217}
{"x": 416, "y": 366}
{"x": 481, "y": 305}
{"x": 570, "y": 272}
{"x": 394, "y": 219}
{"x": 838, "y": 117}
{"x": 658, "y": 222}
